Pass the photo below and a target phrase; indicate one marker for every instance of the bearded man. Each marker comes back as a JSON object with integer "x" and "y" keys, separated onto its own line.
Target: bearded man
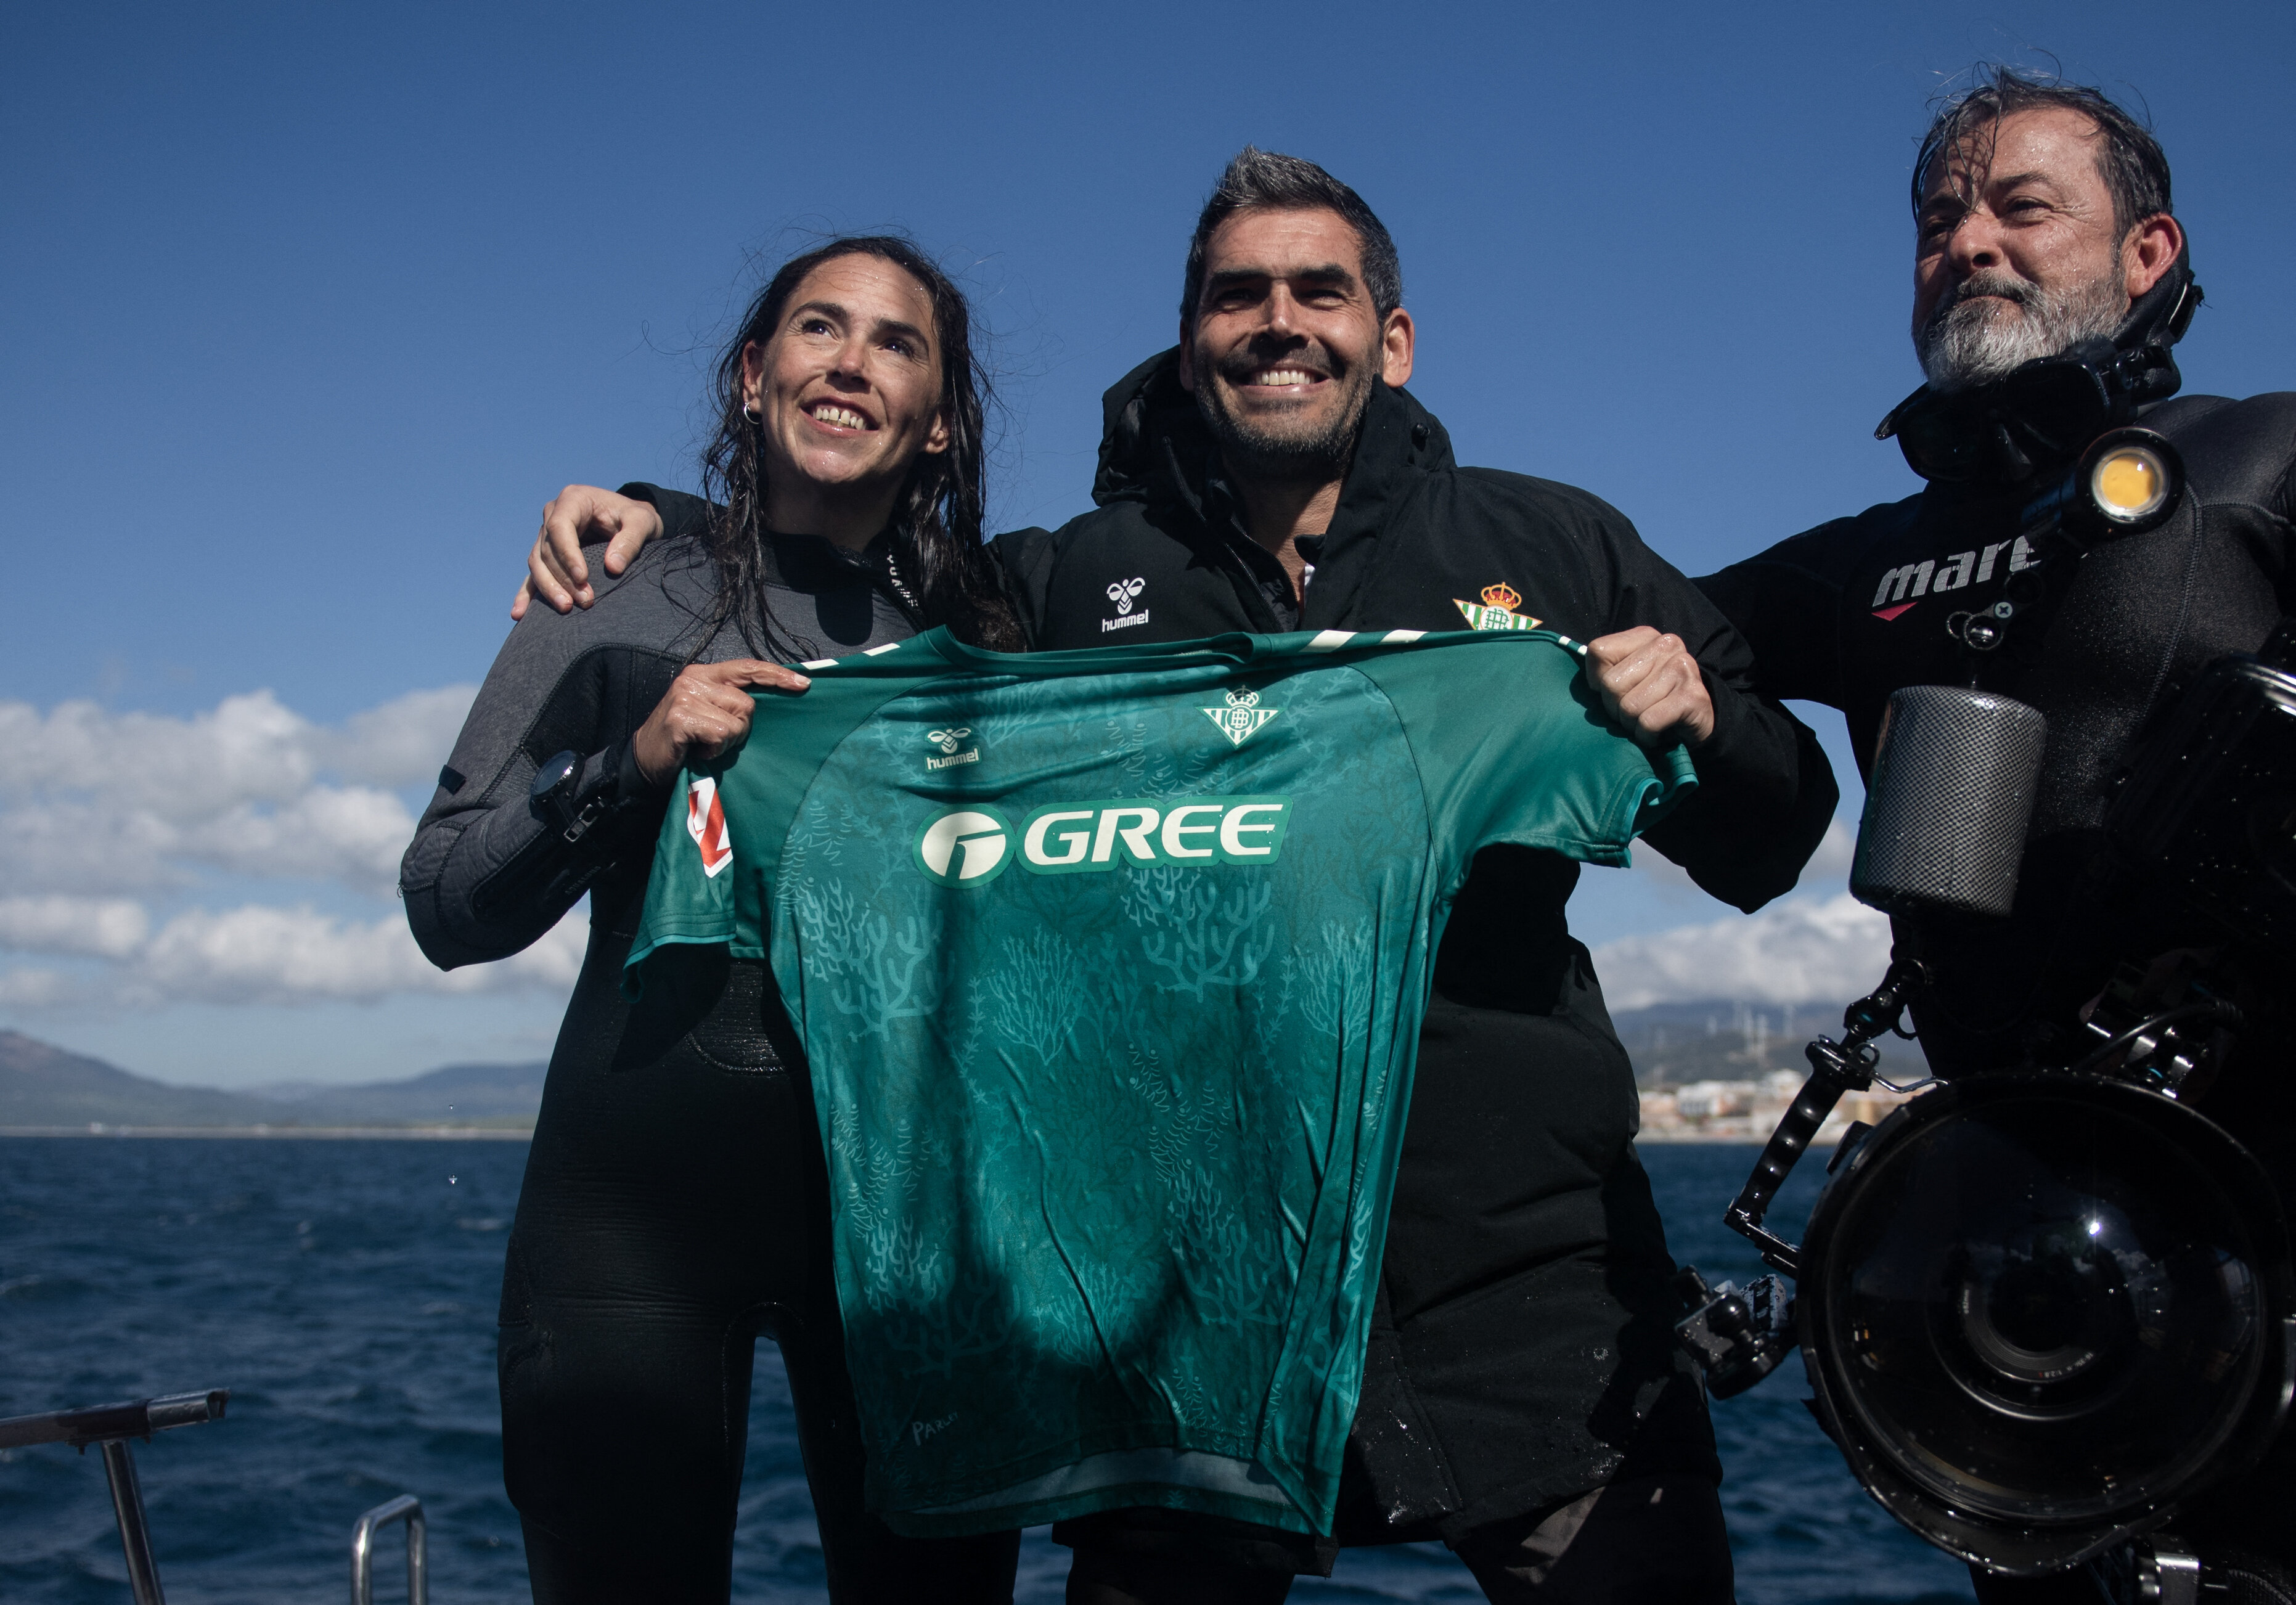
{"x": 1523, "y": 1400}
{"x": 2043, "y": 236}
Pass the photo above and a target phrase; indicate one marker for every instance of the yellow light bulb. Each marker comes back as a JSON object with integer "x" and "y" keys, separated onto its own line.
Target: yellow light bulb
{"x": 2128, "y": 482}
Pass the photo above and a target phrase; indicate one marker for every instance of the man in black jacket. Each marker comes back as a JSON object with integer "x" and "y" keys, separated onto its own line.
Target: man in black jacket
{"x": 1524, "y": 1399}
{"x": 2043, "y": 236}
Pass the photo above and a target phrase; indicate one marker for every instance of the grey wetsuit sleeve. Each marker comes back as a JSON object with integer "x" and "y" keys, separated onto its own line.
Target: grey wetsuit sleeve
{"x": 488, "y": 871}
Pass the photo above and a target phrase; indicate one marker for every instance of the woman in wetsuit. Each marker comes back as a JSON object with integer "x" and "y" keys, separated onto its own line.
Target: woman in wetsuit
{"x": 676, "y": 1202}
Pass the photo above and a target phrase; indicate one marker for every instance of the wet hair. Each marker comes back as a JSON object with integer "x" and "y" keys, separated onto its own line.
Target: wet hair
{"x": 2134, "y": 168}
{"x": 1260, "y": 180}
{"x": 935, "y": 533}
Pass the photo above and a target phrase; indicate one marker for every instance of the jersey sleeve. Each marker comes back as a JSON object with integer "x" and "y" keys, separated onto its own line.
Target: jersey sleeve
{"x": 691, "y": 895}
{"x": 1514, "y": 747}
{"x": 720, "y": 848}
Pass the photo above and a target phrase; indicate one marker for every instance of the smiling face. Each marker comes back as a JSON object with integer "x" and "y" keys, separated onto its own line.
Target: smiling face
{"x": 2017, "y": 254}
{"x": 847, "y": 392}
{"x": 1285, "y": 341}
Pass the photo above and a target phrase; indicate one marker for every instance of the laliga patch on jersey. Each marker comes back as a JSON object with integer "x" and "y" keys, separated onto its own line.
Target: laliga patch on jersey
{"x": 1243, "y": 716}
{"x": 705, "y": 822}
{"x": 1497, "y": 610}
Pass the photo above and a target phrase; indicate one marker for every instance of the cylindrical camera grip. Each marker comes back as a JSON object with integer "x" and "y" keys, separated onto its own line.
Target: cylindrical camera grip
{"x": 1952, "y": 794}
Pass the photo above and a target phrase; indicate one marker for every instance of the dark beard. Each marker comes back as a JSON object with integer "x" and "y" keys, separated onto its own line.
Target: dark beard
{"x": 1317, "y": 457}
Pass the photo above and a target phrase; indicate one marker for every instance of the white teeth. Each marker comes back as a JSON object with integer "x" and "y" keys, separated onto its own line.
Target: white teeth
{"x": 843, "y": 417}
{"x": 1284, "y": 376}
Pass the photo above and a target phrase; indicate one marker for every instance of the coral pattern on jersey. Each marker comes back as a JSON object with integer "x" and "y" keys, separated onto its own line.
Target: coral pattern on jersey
{"x": 1111, "y": 1031}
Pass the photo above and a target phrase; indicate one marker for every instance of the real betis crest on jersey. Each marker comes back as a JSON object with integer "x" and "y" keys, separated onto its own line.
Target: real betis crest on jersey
{"x": 1242, "y": 716}
{"x": 1496, "y": 611}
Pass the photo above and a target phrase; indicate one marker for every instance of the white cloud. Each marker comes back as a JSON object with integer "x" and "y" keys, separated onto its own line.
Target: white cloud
{"x": 102, "y": 813}
{"x": 401, "y": 743}
{"x": 1801, "y": 952}
{"x": 32, "y": 989}
{"x": 94, "y": 802}
{"x": 291, "y": 955}
{"x": 255, "y": 953}
{"x": 104, "y": 928}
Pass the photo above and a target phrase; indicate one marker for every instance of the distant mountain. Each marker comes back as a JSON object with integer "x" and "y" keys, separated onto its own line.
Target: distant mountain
{"x": 459, "y": 1095}
{"x": 1671, "y": 1044}
{"x": 44, "y": 1085}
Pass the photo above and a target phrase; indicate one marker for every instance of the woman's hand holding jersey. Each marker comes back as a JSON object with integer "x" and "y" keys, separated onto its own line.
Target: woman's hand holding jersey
{"x": 556, "y": 571}
{"x": 706, "y": 712}
{"x": 1652, "y": 686}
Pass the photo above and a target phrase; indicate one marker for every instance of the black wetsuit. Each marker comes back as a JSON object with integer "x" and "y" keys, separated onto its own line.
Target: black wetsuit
{"x": 674, "y": 1205}
{"x": 1848, "y": 612}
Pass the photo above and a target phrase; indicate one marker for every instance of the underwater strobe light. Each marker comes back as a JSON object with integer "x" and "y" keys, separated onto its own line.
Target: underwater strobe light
{"x": 2132, "y": 478}
{"x": 2038, "y": 1309}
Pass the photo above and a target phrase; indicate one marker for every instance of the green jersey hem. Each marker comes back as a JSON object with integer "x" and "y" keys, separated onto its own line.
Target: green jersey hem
{"x": 1171, "y": 1479}
{"x": 633, "y": 967}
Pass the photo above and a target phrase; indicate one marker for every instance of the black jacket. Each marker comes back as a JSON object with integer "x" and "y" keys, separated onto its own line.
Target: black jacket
{"x": 1525, "y": 1353}
{"x": 1846, "y": 613}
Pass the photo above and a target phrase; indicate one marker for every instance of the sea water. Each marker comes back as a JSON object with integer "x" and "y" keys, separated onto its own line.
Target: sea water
{"x": 345, "y": 1292}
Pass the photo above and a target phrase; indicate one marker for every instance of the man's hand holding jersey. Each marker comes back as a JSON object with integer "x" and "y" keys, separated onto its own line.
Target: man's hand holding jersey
{"x": 706, "y": 711}
{"x": 1653, "y": 687}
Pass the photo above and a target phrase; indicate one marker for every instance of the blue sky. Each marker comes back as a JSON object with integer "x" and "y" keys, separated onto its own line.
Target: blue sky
{"x": 307, "y": 310}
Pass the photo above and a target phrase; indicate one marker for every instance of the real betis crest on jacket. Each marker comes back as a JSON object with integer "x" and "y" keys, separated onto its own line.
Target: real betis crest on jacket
{"x": 1111, "y": 1028}
{"x": 1497, "y": 610}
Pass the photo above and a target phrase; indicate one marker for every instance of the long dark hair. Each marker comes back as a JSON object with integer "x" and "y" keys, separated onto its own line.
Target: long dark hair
{"x": 938, "y": 555}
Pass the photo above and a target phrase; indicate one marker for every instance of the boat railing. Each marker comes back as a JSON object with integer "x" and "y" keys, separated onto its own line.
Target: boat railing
{"x": 406, "y": 1508}
{"x": 108, "y": 1427}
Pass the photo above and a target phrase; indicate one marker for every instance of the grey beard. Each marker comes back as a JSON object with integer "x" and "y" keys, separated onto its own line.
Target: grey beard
{"x": 1966, "y": 343}
{"x": 1318, "y": 457}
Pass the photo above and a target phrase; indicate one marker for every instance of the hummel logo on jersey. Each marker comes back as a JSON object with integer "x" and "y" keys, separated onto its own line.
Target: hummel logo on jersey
{"x": 705, "y": 822}
{"x": 970, "y": 847}
{"x": 947, "y": 741}
{"x": 1122, "y": 594}
{"x": 1243, "y": 716}
{"x": 1497, "y": 610}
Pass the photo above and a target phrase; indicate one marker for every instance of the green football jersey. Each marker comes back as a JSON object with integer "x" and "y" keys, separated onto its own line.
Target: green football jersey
{"x": 1110, "y": 967}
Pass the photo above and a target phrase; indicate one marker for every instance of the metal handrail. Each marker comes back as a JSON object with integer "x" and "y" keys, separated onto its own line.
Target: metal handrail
{"x": 139, "y": 1419}
{"x": 407, "y": 1508}
{"x": 108, "y": 1427}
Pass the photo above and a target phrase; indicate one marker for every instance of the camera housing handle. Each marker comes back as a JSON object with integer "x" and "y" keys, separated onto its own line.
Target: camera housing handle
{"x": 1835, "y": 1069}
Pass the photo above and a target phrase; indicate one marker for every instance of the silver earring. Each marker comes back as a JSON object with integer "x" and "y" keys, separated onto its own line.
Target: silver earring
{"x": 752, "y": 414}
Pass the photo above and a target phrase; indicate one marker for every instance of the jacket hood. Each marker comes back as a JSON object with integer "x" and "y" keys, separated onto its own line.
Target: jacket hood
{"x": 1155, "y": 446}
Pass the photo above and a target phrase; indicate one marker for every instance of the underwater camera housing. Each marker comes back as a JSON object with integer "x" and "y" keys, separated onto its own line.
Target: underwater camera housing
{"x": 2041, "y": 1309}
{"x": 2038, "y": 1311}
